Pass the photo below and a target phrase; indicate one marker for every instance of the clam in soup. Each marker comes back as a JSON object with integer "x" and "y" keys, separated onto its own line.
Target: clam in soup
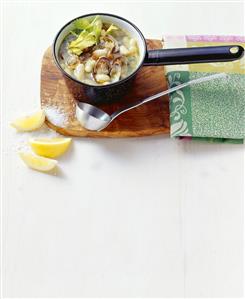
{"x": 98, "y": 53}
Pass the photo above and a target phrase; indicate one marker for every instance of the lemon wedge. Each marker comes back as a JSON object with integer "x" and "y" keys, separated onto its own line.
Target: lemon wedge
{"x": 37, "y": 162}
{"x": 29, "y": 123}
{"x": 50, "y": 147}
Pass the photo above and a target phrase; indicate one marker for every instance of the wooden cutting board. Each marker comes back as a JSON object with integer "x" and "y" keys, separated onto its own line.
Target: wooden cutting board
{"x": 149, "y": 119}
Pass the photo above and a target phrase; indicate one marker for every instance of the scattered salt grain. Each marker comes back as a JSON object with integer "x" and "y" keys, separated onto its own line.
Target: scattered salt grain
{"x": 56, "y": 116}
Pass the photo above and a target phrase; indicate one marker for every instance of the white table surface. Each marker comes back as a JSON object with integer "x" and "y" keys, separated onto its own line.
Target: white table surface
{"x": 130, "y": 217}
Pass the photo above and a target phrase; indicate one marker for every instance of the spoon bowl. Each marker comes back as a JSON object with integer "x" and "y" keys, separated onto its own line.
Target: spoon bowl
{"x": 91, "y": 117}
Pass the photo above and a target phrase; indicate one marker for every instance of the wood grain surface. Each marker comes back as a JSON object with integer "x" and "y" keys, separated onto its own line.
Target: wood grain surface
{"x": 149, "y": 119}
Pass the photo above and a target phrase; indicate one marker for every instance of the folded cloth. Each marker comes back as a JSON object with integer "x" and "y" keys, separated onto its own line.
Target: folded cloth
{"x": 214, "y": 110}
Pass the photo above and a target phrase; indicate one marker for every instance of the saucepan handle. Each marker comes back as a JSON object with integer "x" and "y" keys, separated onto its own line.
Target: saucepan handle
{"x": 193, "y": 55}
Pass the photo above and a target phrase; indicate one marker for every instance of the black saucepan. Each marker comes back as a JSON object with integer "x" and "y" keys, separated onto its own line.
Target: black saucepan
{"x": 114, "y": 91}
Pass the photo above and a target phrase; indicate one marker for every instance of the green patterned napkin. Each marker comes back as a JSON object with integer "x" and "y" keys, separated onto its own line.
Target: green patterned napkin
{"x": 214, "y": 110}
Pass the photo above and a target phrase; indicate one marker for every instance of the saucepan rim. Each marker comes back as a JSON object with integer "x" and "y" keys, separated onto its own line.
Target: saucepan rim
{"x": 110, "y": 84}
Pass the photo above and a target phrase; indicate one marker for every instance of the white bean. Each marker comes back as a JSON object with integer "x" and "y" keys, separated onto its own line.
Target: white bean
{"x": 90, "y": 82}
{"x": 89, "y": 65}
{"x": 101, "y": 78}
{"x": 133, "y": 42}
{"x": 100, "y": 52}
{"x": 123, "y": 50}
{"x": 79, "y": 71}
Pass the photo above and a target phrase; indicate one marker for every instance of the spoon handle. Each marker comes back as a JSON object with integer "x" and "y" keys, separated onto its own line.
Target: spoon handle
{"x": 151, "y": 98}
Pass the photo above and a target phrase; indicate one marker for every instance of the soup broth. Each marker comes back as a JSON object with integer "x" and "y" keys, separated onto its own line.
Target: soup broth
{"x": 98, "y": 53}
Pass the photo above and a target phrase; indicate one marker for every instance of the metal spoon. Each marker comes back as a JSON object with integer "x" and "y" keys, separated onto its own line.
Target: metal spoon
{"x": 95, "y": 119}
